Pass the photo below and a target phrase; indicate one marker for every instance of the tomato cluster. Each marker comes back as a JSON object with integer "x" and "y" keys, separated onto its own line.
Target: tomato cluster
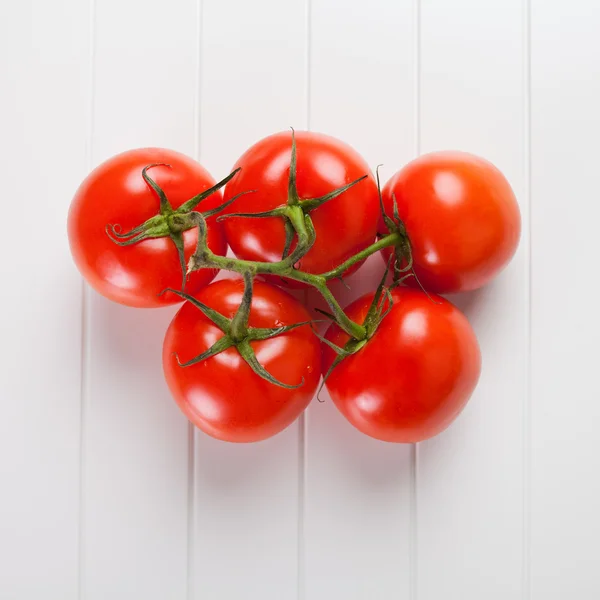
{"x": 243, "y": 357}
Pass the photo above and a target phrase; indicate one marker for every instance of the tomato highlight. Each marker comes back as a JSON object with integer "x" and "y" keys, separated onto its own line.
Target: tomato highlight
{"x": 242, "y": 358}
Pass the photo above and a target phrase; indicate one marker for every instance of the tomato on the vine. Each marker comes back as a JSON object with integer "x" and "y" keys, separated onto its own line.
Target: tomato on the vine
{"x": 344, "y": 225}
{"x": 461, "y": 217}
{"x": 116, "y": 195}
{"x": 222, "y": 395}
{"x": 413, "y": 376}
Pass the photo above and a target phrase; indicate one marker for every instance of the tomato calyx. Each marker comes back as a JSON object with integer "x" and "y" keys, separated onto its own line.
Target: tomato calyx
{"x": 296, "y": 211}
{"x": 169, "y": 222}
{"x": 238, "y": 334}
{"x": 380, "y": 307}
{"x": 299, "y": 228}
{"x": 402, "y": 249}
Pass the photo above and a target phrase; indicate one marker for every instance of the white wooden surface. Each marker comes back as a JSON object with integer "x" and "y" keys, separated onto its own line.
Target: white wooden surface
{"x": 106, "y": 492}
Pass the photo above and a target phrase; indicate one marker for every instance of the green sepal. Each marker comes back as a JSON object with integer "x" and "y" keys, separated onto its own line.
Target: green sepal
{"x": 312, "y": 203}
{"x": 177, "y": 239}
{"x": 168, "y": 222}
{"x": 247, "y": 353}
{"x": 214, "y": 211}
{"x": 389, "y": 223}
{"x": 396, "y": 225}
{"x": 239, "y": 323}
{"x": 339, "y": 351}
{"x": 325, "y": 313}
{"x": 266, "y": 333}
{"x": 372, "y": 319}
{"x": 192, "y": 203}
{"x": 280, "y": 211}
{"x": 350, "y": 347}
{"x": 219, "y": 346}
{"x": 290, "y": 232}
{"x": 293, "y": 197}
{"x": 221, "y": 321}
{"x": 154, "y": 227}
{"x": 165, "y": 205}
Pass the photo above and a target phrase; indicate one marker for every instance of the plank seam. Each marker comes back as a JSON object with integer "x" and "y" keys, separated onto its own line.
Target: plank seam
{"x": 413, "y": 503}
{"x": 527, "y": 409}
{"x": 85, "y": 313}
{"x": 302, "y": 424}
{"x": 191, "y": 475}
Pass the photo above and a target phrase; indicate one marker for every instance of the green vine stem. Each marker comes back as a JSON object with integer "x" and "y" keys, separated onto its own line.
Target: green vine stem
{"x": 237, "y": 332}
{"x": 205, "y": 259}
{"x": 170, "y": 222}
{"x": 296, "y": 215}
{"x": 298, "y": 227}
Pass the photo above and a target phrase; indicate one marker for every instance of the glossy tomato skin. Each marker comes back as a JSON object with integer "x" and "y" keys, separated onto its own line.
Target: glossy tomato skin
{"x": 461, "y": 216}
{"x": 222, "y": 396}
{"x": 115, "y": 193}
{"x": 414, "y": 376}
{"x": 343, "y": 225}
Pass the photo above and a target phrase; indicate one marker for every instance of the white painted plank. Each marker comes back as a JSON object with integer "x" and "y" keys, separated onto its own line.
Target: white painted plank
{"x": 470, "y": 478}
{"x": 246, "y": 496}
{"x": 358, "y": 490}
{"x": 565, "y": 128}
{"x": 43, "y": 119}
{"x": 136, "y": 451}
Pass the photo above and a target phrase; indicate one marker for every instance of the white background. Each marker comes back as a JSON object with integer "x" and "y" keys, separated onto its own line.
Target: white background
{"x": 108, "y": 494}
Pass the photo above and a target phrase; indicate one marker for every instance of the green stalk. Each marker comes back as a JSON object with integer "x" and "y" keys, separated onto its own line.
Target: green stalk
{"x": 285, "y": 268}
{"x": 298, "y": 227}
{"x": 389, "y": 240}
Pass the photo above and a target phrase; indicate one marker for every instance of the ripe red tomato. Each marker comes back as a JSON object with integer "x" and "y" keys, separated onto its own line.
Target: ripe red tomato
{"x": 461, "y": 216}
{"x": 116, "y": 194}
{"x": 222, "y": 396}
{"x": 344, "y": 225}
{"x": 414, "y": 376}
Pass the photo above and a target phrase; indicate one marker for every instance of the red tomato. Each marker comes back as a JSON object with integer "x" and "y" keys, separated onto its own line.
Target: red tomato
{"x": 115, "y": 194}
{"x": 222, "y": 396}
{"x": 343, "y": 225}
{"x": 414, "y": 376}
{"x": 461, "y": 216}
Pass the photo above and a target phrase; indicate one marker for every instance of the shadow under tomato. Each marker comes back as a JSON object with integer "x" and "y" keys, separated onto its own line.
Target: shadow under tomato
{"x": 231, "y": 467}
{"x": 135, "y": 432}
{"x": 130, "y": 334}
{"x": 472, "y": 304}
{"x": 347, "y": 453}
